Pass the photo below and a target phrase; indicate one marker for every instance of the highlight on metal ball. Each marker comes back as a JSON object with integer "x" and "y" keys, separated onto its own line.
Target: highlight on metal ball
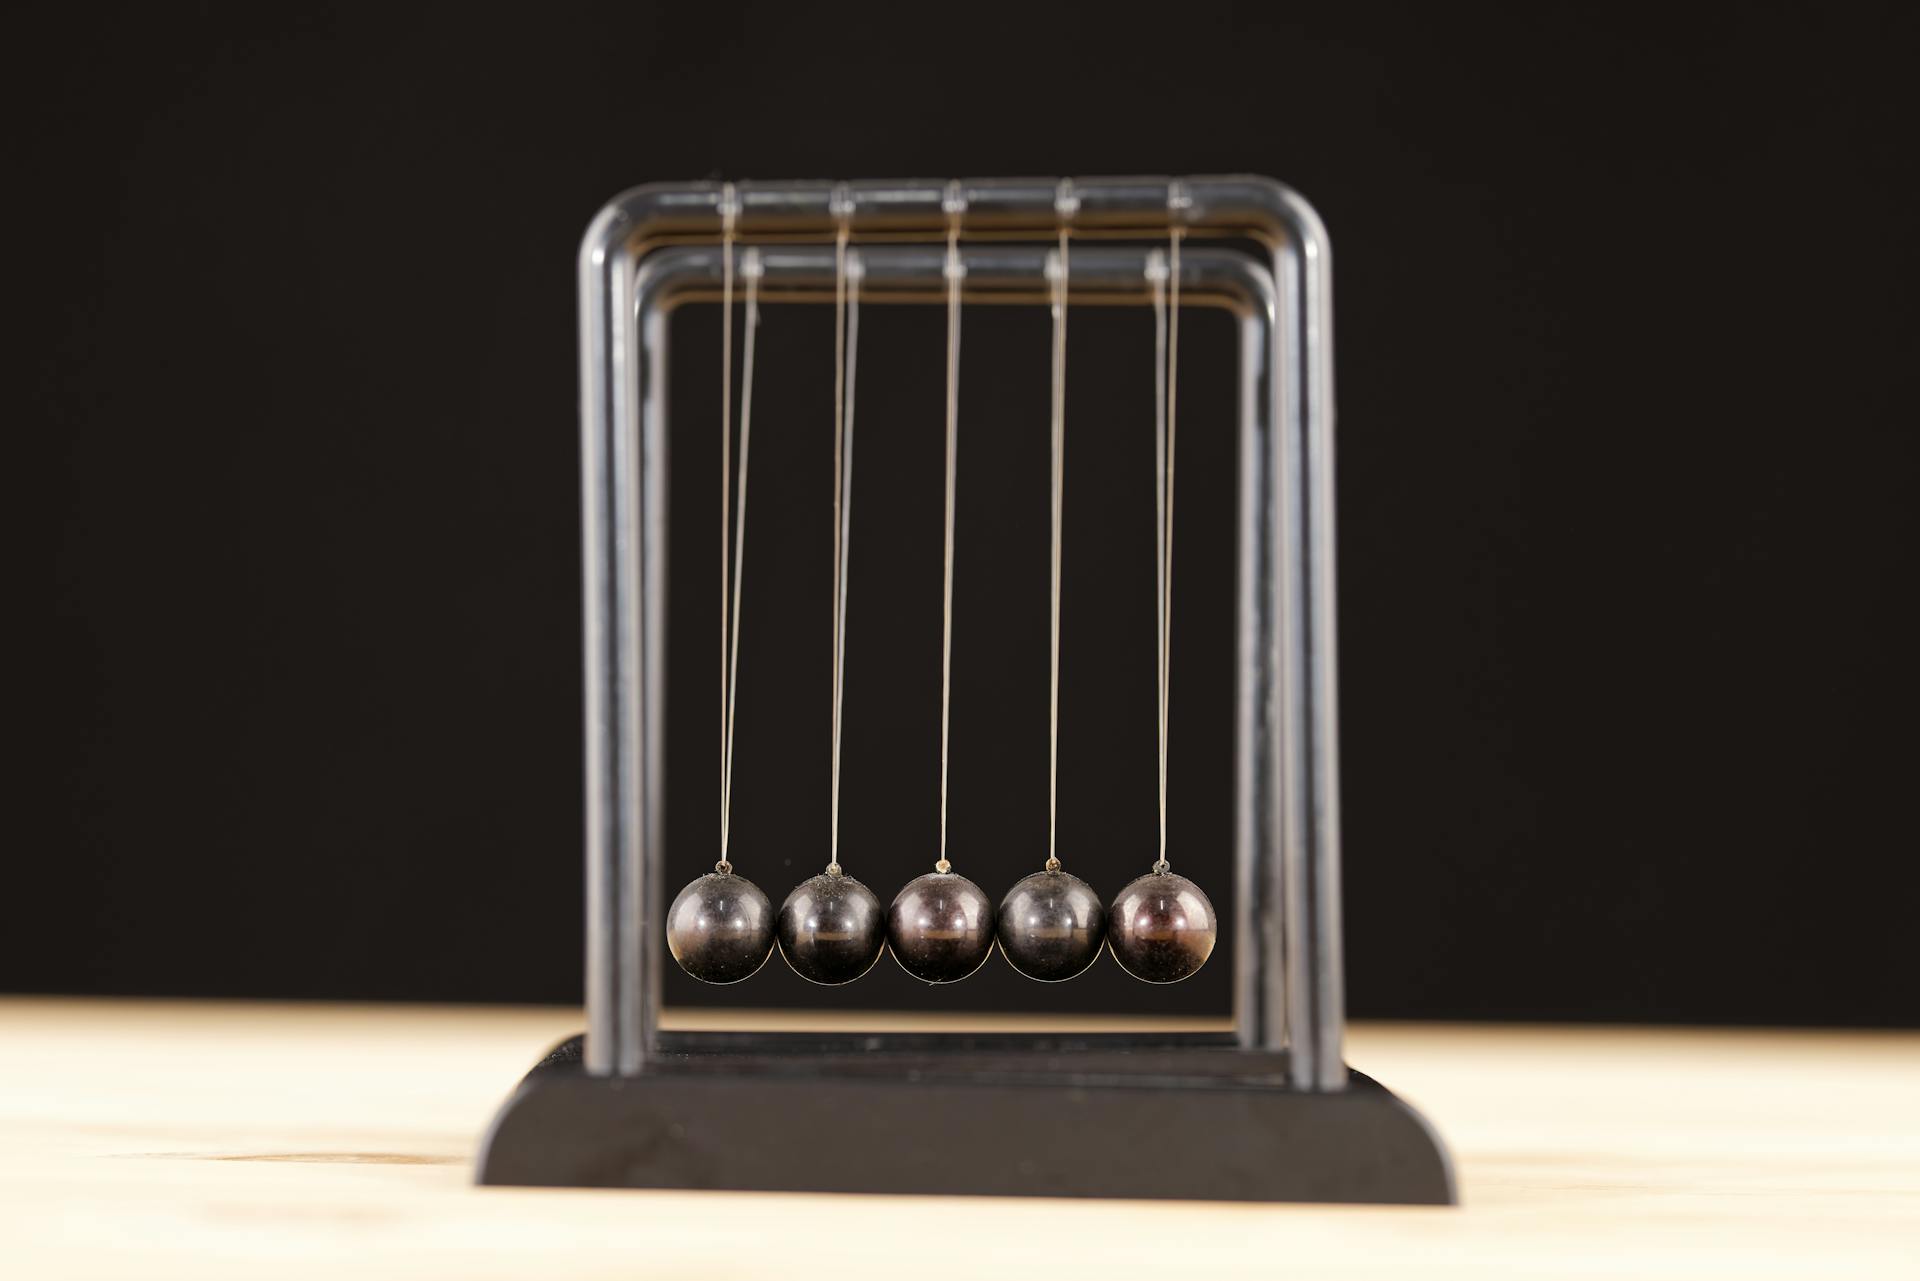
{"x": 1161, "y": 928}
{"x": 831, "y": 929}
{"x": 1051, "y": 925}
{"x": 720, "y": 928}
{"x": 940, "y": 927}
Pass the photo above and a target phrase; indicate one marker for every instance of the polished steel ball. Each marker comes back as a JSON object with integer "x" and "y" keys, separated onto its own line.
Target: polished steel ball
{"x": 831, "y": 929}
{"x": 1051, "y": 926}
{"x": 1161, "y": 928}
{"x": 720, "y": 928}
{"x": 940, "y": 927}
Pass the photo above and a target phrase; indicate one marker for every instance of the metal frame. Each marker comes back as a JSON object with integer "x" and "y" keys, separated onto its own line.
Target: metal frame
{"x": 655, "y": 247}
{"x": 1269, "y": 1112}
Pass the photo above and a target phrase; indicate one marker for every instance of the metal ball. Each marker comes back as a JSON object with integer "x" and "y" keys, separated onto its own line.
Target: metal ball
{"x": 831, "y": 929}
{"x": 1051, "y": 926}
{"x": 720, "y": 928}
{"x": 1161, "y": 928}
{"x": 940, "y": 927}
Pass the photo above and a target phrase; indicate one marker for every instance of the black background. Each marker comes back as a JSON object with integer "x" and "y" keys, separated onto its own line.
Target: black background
{"x": 1626, "y": 308}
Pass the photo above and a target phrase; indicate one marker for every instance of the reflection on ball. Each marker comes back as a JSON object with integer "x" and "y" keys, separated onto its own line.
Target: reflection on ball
{"x": 720, "y": 928}
{"x": 831, "y": 929}
{"x": 940, "y": 927}
{"x": 1161, "y": 928}
{"x": 1051, "y": 926}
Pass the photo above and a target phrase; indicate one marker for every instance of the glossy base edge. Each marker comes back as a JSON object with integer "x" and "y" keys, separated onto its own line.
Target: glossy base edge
{"x": 986, "y": 1123}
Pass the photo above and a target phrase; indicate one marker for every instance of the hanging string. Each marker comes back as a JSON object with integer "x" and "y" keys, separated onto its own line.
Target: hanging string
{"x": 1065, "y": 203}
{"x": 1165, "y": 275}
{"x": 955, "y": 272}
{"x": 729, "y": 212}
{"x": 846, "y": 342}
{"x": 752, "y": 270}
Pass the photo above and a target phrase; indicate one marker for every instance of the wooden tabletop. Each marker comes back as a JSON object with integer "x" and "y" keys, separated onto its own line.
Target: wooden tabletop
{"x": 160, "y": 1139}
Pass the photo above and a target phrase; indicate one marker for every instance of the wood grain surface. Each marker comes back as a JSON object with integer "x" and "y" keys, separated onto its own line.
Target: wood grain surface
{"x": 169, "y": 1139}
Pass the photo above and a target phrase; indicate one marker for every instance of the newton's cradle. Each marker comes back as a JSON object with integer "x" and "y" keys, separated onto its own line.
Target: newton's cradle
{"x": 1267, "y": 1111}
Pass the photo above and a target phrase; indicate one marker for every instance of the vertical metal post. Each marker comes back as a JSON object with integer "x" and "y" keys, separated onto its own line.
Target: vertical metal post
{"x": 644, "y": 854}
{"x": 616, "y": 679}
{"x": 605, "y": 375}
{"x": 1323, "y": 687}
{"x": 1309, "y": 729}
{"x": 1260, "y": 891}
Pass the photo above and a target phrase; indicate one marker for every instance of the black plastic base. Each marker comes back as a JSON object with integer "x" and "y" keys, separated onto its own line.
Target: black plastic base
{"x": 1190, "y": 1119}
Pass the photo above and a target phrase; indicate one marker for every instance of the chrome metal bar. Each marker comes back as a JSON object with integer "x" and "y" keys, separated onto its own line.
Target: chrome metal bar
{"x": 609, "y": 417}
{"x": 1260, "y": 895}
{"x": 995, "y": 273}
{"x": 1327, "y": 1012}
{"x": 1236, "y": 205}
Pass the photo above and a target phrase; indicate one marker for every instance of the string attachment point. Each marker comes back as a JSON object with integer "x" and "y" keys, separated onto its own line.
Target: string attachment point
{"x": 1066, "y": 201}
{"x": 1179, "y": 201}
{"x": 954, "y": 205}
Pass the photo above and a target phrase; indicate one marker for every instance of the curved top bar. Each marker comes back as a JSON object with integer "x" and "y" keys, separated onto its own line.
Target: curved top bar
{"x": 1242, "y": 204}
